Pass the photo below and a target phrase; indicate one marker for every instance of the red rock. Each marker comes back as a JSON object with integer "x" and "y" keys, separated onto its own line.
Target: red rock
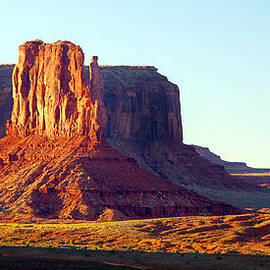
{"x": 51, "y": 97}
{"x": 141, "y": 105}
{"x": 67, "y": 178}
{"x": 98, "y": 128}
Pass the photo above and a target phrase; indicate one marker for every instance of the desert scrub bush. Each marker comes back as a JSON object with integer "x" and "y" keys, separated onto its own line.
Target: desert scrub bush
{"x": 70, "y": 242}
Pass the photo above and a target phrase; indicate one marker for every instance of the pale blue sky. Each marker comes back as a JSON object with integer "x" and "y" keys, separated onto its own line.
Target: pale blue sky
{"x": 217, "y": 51}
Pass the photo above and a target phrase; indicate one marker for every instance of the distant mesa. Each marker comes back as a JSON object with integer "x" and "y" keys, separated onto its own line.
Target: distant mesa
{"x": 230, "y": 167}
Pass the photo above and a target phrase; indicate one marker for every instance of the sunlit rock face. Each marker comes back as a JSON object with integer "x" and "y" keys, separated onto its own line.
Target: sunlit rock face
{"x": 50, "y": 95}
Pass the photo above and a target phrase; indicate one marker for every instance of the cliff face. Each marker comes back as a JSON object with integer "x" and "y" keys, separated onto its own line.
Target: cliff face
{"x": 50, "y": 95}
{"x": 6, "y": 101}
{"x": 141, "y": 104}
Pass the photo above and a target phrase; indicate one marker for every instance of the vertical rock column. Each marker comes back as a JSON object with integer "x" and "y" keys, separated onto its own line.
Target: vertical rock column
{"x": 99, "y": 119}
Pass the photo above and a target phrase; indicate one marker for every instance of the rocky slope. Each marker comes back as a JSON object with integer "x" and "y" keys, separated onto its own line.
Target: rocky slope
{"x": 230, "y": 167}
{"x": 55, "y": 161}
{"x": 246, "y": 174}
{"x": 68, "y": 178}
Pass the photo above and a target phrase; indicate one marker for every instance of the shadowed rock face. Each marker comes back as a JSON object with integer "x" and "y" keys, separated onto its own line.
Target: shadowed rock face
{"x": 141, "y": 105}
{"x": 6, "y": 102}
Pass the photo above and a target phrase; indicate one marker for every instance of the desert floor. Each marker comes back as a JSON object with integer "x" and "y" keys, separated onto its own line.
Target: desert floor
{"x": 194, "y": 242}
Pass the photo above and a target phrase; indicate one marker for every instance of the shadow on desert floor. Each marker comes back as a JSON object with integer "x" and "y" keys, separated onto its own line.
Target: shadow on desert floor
{"x": 70, "y": 258}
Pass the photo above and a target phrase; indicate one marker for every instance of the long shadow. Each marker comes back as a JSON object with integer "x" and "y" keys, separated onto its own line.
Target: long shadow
{"x": 72, "y": 258}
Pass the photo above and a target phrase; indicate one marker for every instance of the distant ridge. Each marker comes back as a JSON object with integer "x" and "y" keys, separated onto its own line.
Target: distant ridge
{"x": 230, "y": 167}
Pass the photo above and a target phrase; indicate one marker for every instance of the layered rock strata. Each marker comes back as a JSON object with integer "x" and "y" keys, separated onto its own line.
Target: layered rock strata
{"x": 66, "y": 178}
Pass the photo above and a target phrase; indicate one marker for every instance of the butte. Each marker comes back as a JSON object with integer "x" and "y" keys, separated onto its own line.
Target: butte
{"x": 58, "y": 160}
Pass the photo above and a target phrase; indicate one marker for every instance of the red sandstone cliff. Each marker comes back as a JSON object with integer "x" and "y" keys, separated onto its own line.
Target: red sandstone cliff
{"x": 50, "y": 95}
{"x": 55, "y": 160}
{"x": 141, "y": 104}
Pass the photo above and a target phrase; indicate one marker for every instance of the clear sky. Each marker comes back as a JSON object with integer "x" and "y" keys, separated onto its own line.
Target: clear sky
{"x": 217, "y": 51}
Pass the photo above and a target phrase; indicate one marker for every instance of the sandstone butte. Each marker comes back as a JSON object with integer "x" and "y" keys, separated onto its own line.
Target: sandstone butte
{"x": 66, "y": 151}
{"x": 144, "y": 122}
